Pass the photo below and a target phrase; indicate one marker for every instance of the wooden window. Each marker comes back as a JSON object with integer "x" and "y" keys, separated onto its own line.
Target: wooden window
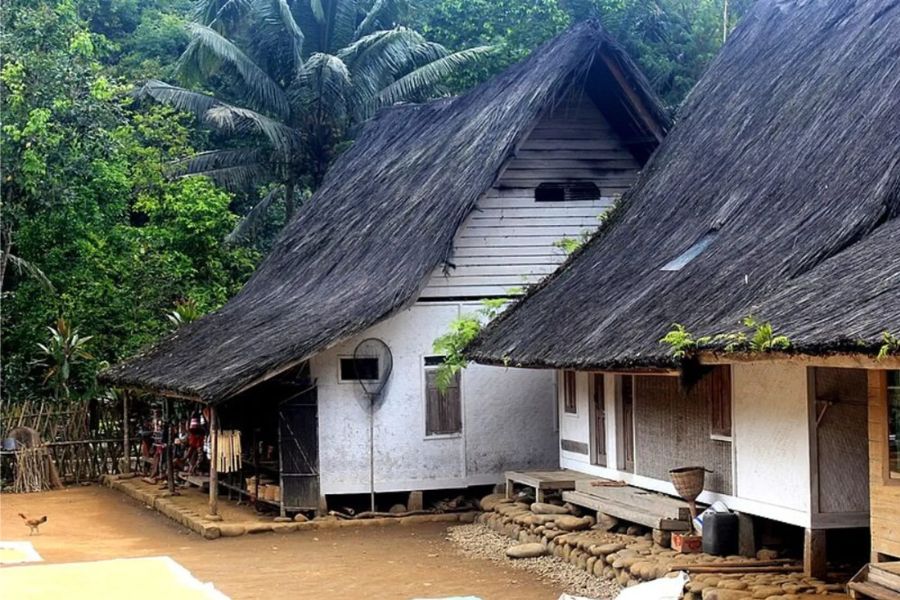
{"x": 443, "y": 410}
{"x": 358, "y": 369}
{"x": 570, "y": 400}
{"x": 568, "y": 191}
{"x": 626, "y": 423}
{"x": 599, "y": 424}
{"x": 720, "y": 402}
{"x": 893, "y": 424}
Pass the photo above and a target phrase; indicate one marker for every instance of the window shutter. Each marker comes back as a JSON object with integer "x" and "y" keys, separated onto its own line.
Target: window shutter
{"x": 443, "y": 411}
{"x": 720, "y": 402}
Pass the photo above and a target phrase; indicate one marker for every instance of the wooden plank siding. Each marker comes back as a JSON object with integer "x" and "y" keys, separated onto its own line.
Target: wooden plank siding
{"x": 508, "y": 240}
{"x": 884, "y": 492}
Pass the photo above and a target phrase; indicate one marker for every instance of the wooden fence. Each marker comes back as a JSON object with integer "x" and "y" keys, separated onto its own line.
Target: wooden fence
{"x": 84, "y": 438}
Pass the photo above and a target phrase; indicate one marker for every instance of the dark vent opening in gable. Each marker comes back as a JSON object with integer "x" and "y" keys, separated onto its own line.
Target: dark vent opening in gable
{"x": 566, "y": 191}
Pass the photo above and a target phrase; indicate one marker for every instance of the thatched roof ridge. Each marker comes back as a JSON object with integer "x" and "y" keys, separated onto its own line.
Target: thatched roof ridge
{"x": 788, "y": 151}
{"x": 383, "y": 220}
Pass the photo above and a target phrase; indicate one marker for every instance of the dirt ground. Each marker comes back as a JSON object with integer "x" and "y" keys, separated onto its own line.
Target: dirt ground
{"x": 400, "y": 562}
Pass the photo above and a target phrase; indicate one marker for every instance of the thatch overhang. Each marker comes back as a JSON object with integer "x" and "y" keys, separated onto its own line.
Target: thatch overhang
{"x": 385, "y": 218}
{"x": 785, "y": 163}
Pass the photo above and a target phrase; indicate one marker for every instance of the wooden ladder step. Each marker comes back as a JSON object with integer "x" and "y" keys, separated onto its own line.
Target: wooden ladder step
{"x": 871, "y": 590}
{"x": 625, "y": 512}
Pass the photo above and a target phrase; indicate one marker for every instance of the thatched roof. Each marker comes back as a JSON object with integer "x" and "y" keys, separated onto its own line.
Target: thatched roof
{"x": 385, "y": 218}
{"x": 788, "y": 150}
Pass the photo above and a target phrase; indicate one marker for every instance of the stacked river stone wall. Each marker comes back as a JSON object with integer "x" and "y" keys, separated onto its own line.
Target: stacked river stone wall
{"x": 629, "y": 555}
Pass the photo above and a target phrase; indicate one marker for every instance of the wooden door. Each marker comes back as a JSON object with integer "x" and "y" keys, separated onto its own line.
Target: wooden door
{"x": 626, "y": 422}
{"x": 841, "y": 431}
{"x": 598, "y": 423}
{"x": 298, "y": 422}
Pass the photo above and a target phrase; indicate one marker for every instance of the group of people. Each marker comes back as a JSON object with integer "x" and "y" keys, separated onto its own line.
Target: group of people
{"x": 190, "y": 444}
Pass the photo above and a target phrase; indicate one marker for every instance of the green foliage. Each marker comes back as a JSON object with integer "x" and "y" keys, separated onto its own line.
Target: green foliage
{"x": 92, "y": 226}
{"x": 757, "y": 336}
{"x": 671, "y": 40}
{"x": 460, "y": 334}
{"x": 64, "y": 350}
{"x": 291, "y": 81}
{"x": 513, "y": 27}
{"x": 890, "y": 345}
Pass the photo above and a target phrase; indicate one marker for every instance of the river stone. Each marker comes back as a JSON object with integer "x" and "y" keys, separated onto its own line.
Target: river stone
{"x": 543, "y": 508}
{"x": 609, "y": 548}
{"x": 767, "y": 554}
{"x": 490, "y": 501}
{"x": 570, "y": 523}
{"x": 764, "y": 591}
{"x": 721, "y": 594}
{"x": 731, "y": 584}
{"x": 531, "y": 550}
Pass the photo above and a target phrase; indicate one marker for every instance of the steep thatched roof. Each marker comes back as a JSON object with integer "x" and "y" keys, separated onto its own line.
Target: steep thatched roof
{"x": 385, "y": 217}
{"x": 787, "y": 156}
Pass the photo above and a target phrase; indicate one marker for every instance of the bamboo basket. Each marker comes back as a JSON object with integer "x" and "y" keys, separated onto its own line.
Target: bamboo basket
{"x": 688, "y": 482}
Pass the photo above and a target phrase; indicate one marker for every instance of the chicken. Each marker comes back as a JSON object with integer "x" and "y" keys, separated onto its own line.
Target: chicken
{"x": 33, "y": 524}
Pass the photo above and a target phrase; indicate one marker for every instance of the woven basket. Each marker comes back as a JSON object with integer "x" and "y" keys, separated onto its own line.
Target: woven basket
{"x": 688, "y": 481}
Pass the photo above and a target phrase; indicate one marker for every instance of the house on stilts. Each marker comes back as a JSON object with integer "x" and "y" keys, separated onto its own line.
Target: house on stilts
{"x": 433, "y": 208}
{"x": 776, "y": 195}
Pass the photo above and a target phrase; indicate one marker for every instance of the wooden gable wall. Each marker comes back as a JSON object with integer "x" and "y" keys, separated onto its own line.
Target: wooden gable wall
{"x": 508, "y": 240}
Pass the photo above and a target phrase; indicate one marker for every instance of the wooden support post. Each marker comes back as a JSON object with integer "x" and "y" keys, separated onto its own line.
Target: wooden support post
{"x": 415, "y": 501}
{"x": 213, "y": 474}
{"x": 815, "y": 562}
{"x": 126, "y": 438}
{"x": 746, "y": 535}
{"x": 509, "y": 488}
{"x": 170, "y": 440}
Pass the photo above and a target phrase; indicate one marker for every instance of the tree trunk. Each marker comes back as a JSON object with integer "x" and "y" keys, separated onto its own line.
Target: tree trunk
{"x": 289, "y": 200}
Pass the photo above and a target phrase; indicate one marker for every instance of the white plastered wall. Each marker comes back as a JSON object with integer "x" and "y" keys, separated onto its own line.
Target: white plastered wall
{"x": 508, "y": 415}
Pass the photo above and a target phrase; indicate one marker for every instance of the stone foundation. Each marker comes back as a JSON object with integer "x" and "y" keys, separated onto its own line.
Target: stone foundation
{"x": 632, "y": 557}
{"x": 189, "y": 509}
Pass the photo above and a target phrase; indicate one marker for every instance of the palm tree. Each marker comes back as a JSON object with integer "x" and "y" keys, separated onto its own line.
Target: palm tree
{"x": 296, "y": 76}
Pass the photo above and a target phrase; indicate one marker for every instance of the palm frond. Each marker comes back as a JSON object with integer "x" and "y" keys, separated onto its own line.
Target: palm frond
{"x": 254, "y": 218}
{"x": 238, "y": 177}
{"x": 424, "y": 79}
{"x": 28, "y": 268}
{"x": 318, "y": 10}
{"x": 383, "y": 14}
{"x": 177, "y": 97}
{"x": 324, "y": 84}
{"x": 343, "y": 23}
{"x": 262, "y": 90}
{"x": 220, "y": 14}
{"x": 234, "y": 119}
{"x": 278, "y": 13}
{"x": 210, "y": 160}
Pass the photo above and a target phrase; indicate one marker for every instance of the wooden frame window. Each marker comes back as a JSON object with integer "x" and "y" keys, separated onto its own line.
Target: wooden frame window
{"x": 569, "y": 390}
{"x": 443, "y": 410}
{"x": 625, "y": 422}
{"x": 893, "y": 425}
{"x": 570, "y": 191}
{"x": 720, "y": 403}
{"x": 598, "y": 400}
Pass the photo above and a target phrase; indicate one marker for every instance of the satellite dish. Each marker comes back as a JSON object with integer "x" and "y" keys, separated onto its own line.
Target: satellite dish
{"x": 374, "y": 363}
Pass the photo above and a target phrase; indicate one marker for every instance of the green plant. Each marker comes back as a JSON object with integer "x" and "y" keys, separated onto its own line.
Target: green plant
{"x": 185, "y": 311}
{"x": 460, "y": 334}
{"x": 890, "y": 345}
{"x": 758, "y": 337}
{"x": 61, "y": 353}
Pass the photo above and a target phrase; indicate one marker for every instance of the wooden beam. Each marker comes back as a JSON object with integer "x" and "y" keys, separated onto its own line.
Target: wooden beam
{"x": 636, "y": 103}
{"x": 213, "y": 474}
{"x": 849, "y": 361}
{"x": 126, "y": 439}
{"x": 815, "y": 559}
{"x": 170, "y": 440}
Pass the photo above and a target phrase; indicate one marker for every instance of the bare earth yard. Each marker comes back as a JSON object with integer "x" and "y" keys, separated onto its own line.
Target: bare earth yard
{"x": 93, "y": 523}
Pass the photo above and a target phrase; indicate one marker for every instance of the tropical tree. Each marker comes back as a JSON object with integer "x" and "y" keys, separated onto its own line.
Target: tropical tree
{"x": 292, "y": 78}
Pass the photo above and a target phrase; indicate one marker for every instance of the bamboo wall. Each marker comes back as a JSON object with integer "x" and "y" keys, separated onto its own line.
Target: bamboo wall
{"x": 884, "y": 493}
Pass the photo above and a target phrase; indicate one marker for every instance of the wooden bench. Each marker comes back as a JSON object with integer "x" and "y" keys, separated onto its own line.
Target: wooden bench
{"x": 544, "y": 481}
{"x": 632, "y": 504}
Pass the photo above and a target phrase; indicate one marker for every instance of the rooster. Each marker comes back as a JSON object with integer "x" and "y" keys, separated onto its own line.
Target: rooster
{"x": 33, "y": 524}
